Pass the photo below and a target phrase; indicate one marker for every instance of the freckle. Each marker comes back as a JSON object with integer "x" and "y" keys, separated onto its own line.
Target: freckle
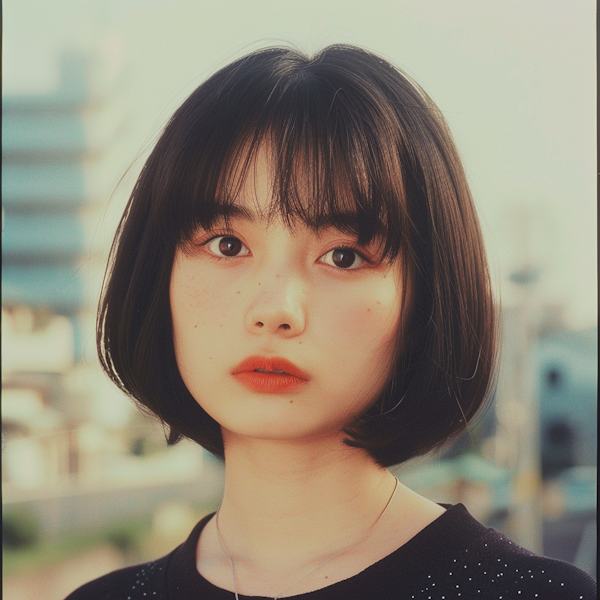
{"x": 238, "y": 291}
{"x": 196, "y": 325}
{"x": 291, "y": 402}
{"x": 378, "y": 302}
{"x": 368, "y": 310}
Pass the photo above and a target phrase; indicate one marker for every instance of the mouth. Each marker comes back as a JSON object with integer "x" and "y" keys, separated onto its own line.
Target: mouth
{"x": 269, "y": 375}
{"x": 269, "y": 366}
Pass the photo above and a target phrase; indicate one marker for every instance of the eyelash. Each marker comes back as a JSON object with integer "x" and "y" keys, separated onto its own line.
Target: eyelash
{"x": 360, "y": 253}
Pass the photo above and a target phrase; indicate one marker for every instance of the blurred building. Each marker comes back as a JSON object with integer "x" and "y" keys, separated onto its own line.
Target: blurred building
{"x": 568, "y": 388}
{"x": 43, "y": 283}
{"x": 43, "y": 191}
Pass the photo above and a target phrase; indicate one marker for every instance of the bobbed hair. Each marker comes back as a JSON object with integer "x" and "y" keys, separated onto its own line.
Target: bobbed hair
{"x": 354, "y": 143}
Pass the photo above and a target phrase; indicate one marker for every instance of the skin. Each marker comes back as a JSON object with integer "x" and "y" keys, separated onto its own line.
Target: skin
{"x": 294, "y": 494}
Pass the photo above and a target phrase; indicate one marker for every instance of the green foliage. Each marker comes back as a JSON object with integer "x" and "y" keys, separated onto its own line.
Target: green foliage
{"x": 126, "y": 536}
{"x": 43, "y": 554}
{"x": 20, "y": 529}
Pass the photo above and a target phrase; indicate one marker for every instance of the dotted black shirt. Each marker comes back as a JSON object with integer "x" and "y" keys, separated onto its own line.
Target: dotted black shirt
{"x": 454, "y": 558}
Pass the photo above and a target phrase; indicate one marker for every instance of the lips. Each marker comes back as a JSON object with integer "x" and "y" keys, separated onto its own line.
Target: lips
{"x": 269, "y": 375}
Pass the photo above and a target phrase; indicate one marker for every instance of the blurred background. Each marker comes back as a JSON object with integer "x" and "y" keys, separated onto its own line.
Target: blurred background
{"x": 88, "y": 483}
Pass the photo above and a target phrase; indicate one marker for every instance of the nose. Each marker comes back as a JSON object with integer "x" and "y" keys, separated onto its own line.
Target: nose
{"x": 278, "y": 308}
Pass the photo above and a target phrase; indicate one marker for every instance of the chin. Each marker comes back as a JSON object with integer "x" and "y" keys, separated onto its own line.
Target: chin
{"x": 288, "y": 429}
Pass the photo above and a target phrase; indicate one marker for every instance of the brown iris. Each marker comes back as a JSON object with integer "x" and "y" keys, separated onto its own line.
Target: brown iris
{"x": 230, "y": 246}
{"x": 343, "y": 257}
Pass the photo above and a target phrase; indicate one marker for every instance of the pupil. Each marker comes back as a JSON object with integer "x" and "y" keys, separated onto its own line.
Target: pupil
{"x": 343, "y": 257}
{"x": 230, "y": 246}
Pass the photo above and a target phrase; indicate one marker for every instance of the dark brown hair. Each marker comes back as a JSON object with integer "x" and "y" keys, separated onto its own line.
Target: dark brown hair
{"x": 382, "y": 164}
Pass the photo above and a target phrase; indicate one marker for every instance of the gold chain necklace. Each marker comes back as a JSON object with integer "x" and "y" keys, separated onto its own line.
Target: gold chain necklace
{"x": 277, "y": 596}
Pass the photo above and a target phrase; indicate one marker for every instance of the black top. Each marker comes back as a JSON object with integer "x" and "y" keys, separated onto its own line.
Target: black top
{"x": 453, "y": 558}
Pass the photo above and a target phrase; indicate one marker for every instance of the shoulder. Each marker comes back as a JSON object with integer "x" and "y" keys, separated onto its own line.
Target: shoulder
{"x": 141, "y": 582}
{"x": 494, "y": 565}
{"x": 458, "y": 558}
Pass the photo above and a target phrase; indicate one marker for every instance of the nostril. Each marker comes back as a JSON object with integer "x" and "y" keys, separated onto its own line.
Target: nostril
{"x": 259, "y": 324}
{"x": 285, "y": 326}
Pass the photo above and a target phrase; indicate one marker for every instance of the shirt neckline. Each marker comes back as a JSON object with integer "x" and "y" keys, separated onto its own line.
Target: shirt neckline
{"x": 447, "y": 536}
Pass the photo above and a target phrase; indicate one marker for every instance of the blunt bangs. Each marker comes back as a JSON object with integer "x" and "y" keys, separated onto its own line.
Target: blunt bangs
{"x": 330, "y": 163}
{"x": 350, "y": 142}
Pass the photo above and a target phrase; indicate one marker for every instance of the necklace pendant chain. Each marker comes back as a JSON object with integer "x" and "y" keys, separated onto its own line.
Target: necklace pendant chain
{"x": 278, "y": 596}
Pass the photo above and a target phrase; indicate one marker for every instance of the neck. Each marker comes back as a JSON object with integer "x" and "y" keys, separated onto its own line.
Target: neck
{"x": 284, "y": 502}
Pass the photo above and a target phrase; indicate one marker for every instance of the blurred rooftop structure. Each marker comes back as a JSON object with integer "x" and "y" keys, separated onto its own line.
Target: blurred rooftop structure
{"x": 43, "y": 191}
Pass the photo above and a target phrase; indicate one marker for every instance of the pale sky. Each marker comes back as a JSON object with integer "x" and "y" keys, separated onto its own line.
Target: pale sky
{"x": 515, "y": 80}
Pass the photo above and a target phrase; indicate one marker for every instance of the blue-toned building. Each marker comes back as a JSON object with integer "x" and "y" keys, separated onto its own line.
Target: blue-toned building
{"x": 568, "y": 389}
{"x": 43, "y": 193}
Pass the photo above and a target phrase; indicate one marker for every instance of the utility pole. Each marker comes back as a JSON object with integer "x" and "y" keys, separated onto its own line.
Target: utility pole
{"x": 518, "y": 414}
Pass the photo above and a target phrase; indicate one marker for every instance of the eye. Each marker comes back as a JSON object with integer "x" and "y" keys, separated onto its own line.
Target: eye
{"x": 343, "y": 258}
{"x": 227, "y": 245}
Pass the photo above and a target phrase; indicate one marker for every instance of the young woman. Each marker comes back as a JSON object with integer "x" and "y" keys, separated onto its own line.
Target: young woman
{"x": 299, "y": 285}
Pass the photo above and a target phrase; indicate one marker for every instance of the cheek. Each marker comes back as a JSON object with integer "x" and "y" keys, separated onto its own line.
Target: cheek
{"x": 198, "y": 314}
{"x": 197, "y": 300}
{"x": 366, "y": 316}
{"x": 358, "y": 343}
{"x": 190, "y": 293}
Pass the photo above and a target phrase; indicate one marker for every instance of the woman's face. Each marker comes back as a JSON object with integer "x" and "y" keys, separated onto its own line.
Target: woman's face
{"x": 280, "y": 333}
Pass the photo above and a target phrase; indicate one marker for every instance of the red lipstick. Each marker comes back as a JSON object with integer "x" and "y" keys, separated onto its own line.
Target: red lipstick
{"x": 269, "y": 375}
